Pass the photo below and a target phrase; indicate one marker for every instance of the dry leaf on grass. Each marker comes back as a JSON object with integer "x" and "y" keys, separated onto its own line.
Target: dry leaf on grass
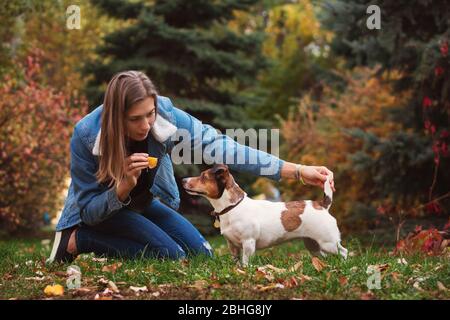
{"x": 37, "y": 278}
{"x": 139, "y": 289}
{"x": 81, "y": 291}
{"x": 199, "y": 284}
{"x": 99, "y": 297}
{"x": 113, "y": 287}
{"x": 343, "y": 281}
{"x": 240, "y": 271}
{"x": 297, "y": 266}
{"x": 271, "y": 267}
{"x": 318, "y": 264}
{"x": 416, "y": 285}
{"x": 112, "y": 267}
{"x": 395, "y": 276}
{"x": 441, "y": 287}
{"x": 270, "y": 287}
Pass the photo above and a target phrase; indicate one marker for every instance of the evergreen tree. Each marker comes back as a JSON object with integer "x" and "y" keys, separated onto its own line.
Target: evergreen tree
{"x": 413, "y": 39}
{"x": 189, "y": 52}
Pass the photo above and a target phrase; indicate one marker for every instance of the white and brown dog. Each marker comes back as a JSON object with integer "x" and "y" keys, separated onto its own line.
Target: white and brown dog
{"x": 250, "y": 224}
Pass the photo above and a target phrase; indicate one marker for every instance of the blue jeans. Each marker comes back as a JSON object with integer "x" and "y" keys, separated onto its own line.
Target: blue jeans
{"x": 159, "y": 232}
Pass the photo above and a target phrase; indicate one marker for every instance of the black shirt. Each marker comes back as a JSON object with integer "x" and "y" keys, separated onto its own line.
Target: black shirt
{"x": 140, "y": 195}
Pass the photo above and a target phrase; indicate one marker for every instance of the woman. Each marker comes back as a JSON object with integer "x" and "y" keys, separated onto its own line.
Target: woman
{"x": 113, "y": 206}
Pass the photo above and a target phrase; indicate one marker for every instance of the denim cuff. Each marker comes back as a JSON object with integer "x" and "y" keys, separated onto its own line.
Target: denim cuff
{"x": 114, "y": 202}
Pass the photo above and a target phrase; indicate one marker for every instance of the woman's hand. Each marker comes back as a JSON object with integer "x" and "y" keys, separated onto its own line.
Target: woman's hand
{"x": 312, "y": 175}
{"x": 133, "y": 168}
{"x": 316, "y": 176}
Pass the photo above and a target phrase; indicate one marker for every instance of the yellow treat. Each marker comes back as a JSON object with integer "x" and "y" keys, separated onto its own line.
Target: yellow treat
{"x": 152, "y": 162}
{"x": 56, "y": 290}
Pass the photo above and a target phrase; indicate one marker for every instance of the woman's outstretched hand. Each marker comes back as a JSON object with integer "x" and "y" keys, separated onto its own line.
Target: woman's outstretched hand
{"x": 317, "y": 175}
{"x": 312, "y": 175}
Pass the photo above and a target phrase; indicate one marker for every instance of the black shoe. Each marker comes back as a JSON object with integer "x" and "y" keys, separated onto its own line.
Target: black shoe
{"x": 59, "y": 251}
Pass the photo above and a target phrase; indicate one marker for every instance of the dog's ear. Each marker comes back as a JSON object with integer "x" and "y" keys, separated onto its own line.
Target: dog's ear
{"x": 222, "y": 176}
{"x": 220, "y": 170}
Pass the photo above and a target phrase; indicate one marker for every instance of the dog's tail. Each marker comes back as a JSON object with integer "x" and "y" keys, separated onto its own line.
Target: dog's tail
{"x": 328, "y": 194}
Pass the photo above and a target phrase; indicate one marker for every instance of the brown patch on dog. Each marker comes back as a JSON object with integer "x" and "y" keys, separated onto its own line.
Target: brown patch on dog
{"x": 290, "y": 218}
{"x": 236, "y": 193}
{"x": 326, "y": 201}
{"x": 317, "y": 205}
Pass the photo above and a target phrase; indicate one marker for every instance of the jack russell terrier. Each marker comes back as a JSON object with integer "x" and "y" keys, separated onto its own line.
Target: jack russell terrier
{"x": 249, "y": 224}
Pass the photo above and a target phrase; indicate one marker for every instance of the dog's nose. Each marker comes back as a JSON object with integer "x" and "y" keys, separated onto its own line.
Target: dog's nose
{"x": 184, "y": 180}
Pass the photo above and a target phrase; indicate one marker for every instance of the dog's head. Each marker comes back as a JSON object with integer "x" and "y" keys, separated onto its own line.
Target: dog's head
{"x": 211, "y": 183}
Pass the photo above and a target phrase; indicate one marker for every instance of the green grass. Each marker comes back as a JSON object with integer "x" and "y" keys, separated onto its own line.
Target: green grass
{"x": 24, "y": 275}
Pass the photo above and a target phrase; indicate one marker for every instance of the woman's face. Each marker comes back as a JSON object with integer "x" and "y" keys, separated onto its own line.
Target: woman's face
{"x": 140, "y": 118}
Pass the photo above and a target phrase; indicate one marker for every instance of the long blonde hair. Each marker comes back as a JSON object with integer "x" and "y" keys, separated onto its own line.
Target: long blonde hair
{"x": 124, "y": 90}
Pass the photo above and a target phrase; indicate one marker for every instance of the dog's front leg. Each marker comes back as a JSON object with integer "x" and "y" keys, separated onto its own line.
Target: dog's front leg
{"x": 235, "y": 251}
{"x": 248, "y": 247}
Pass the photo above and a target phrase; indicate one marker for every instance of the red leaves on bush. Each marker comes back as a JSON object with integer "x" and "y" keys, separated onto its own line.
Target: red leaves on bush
{"x": 429, "y": 242}
{"x": 444, "y": 48}
{"x": 36, "y": 123}
{"x": 427, "y": 102}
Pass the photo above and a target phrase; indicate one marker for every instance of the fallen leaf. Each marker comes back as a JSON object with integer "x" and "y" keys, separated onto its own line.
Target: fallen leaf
{"x": 402, "y": 261}
{"x": 55, "y": 290}
{"x": 441, "y": 287}
{"x": 354, "y": 269}
{"x": 417, "y": 286}
{"x": 270, "y": 287}
{"x": 367, "y": 296}
{"x": 98, "y": 297}
{"x": 199, "y": 284}
{"x": 343, "y": 280}
{"x": 36, "y": 278}
{"x": 318, "y": 264}
{"x": 378, "y": 267}
{"x": 113, "y": 287}
{"x": 156, "y": 294}
{"x": 304, "y": 278}
{"x": 139, "y": 289}
{"x": 291, "y": 282}
{"x": 240, "y": 271}
{"x": 81, "y": 291}
{"x": 297, "y": 266}
{"x": 271, "y": 267}
{"x": 395, "y": 276}
{"x": 99, "y": 259}
{"x": 112, "y": 267}
{"x": 263, "y": 274}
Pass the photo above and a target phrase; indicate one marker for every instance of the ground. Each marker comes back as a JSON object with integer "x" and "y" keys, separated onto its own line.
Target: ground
{"x": 283, "y": 272}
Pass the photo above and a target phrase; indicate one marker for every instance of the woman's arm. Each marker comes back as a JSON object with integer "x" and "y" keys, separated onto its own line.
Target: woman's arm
{"x": 95, "y": 203}
{"x": 267, "y": 165}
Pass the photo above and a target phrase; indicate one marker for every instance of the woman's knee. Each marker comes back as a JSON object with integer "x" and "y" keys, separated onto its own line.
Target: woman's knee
{"x": 172, "y": 252}
{"x": 202, "y": 248}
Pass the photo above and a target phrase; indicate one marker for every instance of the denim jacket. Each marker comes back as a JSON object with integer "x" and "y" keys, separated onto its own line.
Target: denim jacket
{"x": 90, "y": 202}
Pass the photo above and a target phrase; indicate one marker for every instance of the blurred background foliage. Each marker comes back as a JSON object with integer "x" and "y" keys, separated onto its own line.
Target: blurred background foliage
{"x": 372, "y": 105}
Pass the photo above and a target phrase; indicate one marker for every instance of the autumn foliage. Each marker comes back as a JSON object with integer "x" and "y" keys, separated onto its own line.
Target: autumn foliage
{"x": 36, "y": 123}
